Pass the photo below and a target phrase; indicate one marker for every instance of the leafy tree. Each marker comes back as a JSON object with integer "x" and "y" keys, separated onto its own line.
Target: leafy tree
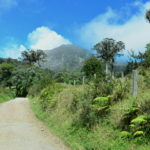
{"x": 32, "y": 57}
{"x": 135, "y": 60}
{"x": 24, "y": 77}
{"x": 92, "y": 66}
{"x": 132, "y": 65}
{"x": 108, "y": 49}
{"x": 142, "y": 59}
{"x": 6, "y": 73}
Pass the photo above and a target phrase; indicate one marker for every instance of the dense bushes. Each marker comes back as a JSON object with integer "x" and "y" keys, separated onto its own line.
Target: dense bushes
{"x": 24, "y": 77}
{"x": 21, "y": 76}
{"x": 82, "y": 106}
{"x": 120, "y": 90}
{"x": 77, "y": 114}
{"x": 103, "y": 86}
{"x": 82, "y": 112}
{"x": 92, "y": 105}
{"x": 46, "y": 97}
{"x": 37, "y": 87}
{"x": 6, "y": 74}
{"x": 68, "y": 77}
{"x": 136, "y": 120}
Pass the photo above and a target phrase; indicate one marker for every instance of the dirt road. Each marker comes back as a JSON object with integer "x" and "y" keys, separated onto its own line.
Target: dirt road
{"x": 21, "y": 130}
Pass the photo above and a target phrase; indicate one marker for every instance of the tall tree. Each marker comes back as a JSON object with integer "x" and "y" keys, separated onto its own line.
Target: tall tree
{"x": 32, "y": 56}
{"x": 108, "y": 49}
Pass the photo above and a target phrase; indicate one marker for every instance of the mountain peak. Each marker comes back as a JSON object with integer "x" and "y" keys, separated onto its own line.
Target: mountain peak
{"x": 67, "y": 56}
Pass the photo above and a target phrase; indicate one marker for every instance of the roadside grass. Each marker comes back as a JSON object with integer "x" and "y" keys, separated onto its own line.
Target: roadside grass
{"x": 63, "y": 117}
{"x": 6, "y": 94}
{"x": 104, "y": 136}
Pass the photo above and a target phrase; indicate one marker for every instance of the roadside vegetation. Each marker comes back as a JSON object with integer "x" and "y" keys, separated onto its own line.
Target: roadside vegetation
{"x": 6, "y": 95}
{"x": 100, "y": 115}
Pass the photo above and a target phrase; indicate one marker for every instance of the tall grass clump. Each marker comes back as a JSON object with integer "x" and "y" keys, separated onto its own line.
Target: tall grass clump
{"x": 6, "y": 94}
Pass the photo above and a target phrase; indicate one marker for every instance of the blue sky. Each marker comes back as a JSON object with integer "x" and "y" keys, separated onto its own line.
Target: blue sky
{"x": 46, "y": 24}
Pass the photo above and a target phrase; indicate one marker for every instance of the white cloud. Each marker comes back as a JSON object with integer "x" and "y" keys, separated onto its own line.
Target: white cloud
{"x": 13, "y": 51}
{"x": 135, "y": 32}
{"x": 45, "y": 39}
{"x": 41, "y": 38}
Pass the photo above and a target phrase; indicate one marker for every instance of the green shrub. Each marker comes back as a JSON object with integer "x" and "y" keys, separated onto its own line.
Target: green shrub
{"x": 138, "y": 125}
{"x": 141, "y": 125}
{"x": 24, "y": 77}
{"x": 89, "y": 110}
{"x": 103, "y": 86}
{"x": 101, "y": 106}
{"x": 129, "y": 115}
{"x": 82, "y": 106}
{"x": 121, "y": 90}
{"x": 46, "y": 97}
{"x": 39, "y": 86}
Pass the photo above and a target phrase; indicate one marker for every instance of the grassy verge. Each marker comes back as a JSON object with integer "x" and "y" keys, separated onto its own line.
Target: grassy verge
{"x": 84, "y": 123}
{"x": 6, "y": 94}
{"x": 100, "y": 138}
{"x": 104, "y": 136}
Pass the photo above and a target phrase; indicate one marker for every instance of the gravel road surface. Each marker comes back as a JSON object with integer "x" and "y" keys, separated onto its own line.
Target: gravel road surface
{"x": 21, "y": 130}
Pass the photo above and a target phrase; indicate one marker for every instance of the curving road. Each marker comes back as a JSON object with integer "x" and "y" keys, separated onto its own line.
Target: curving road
{"x": 21, "y": 130}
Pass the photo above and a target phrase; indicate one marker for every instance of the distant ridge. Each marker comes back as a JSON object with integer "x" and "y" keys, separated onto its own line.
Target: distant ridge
{"x": 66, "y": 57}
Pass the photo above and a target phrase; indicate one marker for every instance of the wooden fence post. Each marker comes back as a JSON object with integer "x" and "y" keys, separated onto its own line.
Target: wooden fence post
{"x": 135, "y": 83}
{"x": 106, "y": 69}
{"x": 122, "y": 75}
{"x": 74, "y": 82}
{"x": 94, "y": 76}
{"x": 83, "y": 80}
{"x": 113, "y": 75}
